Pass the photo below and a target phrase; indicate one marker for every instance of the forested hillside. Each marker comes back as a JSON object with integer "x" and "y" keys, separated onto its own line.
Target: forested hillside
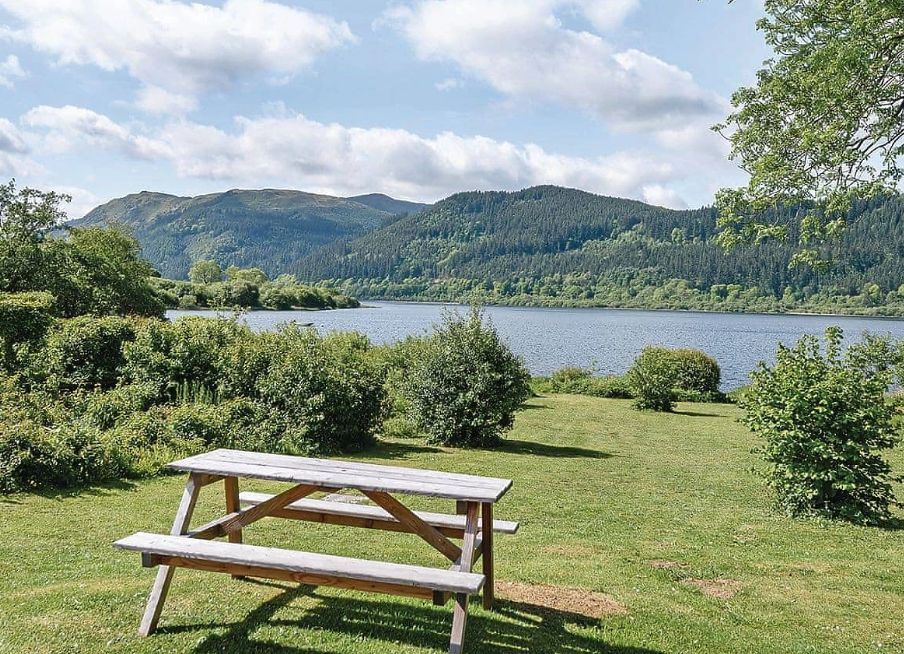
{"x": 557, "y": 246}
{"x": 269, "y": 229}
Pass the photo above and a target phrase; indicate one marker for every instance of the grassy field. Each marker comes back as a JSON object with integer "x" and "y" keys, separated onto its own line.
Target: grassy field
{"x": 653, "y": 528}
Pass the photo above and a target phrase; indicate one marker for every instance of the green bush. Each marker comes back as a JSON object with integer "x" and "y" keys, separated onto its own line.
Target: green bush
{"x": 697, "y": 374}
{"x": 187, "y": 354}
{"x": 466, "y": 384}
{"x": 24, "y": 317}
{"x": 652, "y": 377}
{"x": 580, "y": 381}
{"x": 83, "y": 352}
{"x": 825, "y": 419}
{"x": 329, "y": 394}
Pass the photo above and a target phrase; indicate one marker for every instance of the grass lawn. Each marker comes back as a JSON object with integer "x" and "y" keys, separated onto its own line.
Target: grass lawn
{"x": 657, "y": 520}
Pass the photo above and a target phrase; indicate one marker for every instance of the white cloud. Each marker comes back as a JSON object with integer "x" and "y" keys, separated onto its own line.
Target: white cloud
{"x": 291, "y": 150}
{"x": 10, "y": 68}
{"x": 178, "y": 50}
{"x": 449, "y": 84}
{"x": 69, "y": 126}
{"x": 14, "y": 160}
{"x": 82, "y": 201}
{"x": 522, "y": 49}
{"x": 663, "y": 197}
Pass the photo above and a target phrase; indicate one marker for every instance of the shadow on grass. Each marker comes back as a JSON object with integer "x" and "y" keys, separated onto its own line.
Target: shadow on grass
{"x": 100, "y": 489}
{"x": 556, "y": 451}
{"x": 513, "y": 627}
{"x": 396, "y": 450}
{"x": 699, "y": 414}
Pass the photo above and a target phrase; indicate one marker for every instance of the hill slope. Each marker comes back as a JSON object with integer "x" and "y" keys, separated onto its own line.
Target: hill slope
{"x": 551, "y": 245}
{"x": 270, "y": 229}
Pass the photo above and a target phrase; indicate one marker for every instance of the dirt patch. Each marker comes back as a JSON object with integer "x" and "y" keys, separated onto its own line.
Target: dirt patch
{"x": 559, "y": 598}
{"x": 722, "y": 589}
{"x": 573, "y": 550}
{"x": 665, "y": 564}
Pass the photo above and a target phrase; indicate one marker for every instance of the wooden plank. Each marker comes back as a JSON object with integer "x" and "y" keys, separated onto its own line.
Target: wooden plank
{"x": 364, "y": 515}
{"x": 354, "y": 467}
{"x": 417, "y": 526}
{"x": 303, "y": 562}
{"x": 165, "y": 574}
{"x": 460, "y": 612}
{"x": 241, "y": 571}
{"x": 233, "y": 505}
{"x": 486, "y": 549}
{"x": 235, "y": 521}
{"x": 328, "y": 478}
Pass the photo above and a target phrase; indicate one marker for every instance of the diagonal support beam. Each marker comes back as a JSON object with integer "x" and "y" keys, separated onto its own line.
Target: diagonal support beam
{"x": 417, "y": 525}
{"x": 233, "y": 522}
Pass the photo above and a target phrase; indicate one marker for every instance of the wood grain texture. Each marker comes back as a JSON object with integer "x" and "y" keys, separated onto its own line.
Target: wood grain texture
{"x": 486, "y": 550}
{"x": 363, "y": 515}
{"x": 307, "y": 563}
{"x": 344, "y": 474}
{"x": 460, "y": 611}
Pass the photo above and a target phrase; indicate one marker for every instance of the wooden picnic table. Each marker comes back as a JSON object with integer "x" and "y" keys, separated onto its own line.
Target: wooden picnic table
{"x": 196, "y": 548}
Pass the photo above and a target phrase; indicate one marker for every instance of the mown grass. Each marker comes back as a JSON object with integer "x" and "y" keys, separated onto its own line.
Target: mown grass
{"x": 601, "y": 492}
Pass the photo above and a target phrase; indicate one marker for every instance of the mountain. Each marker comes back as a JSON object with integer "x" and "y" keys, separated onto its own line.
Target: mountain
{"x": 389, "y": 205}
{"x": 559, "y": 246}
{"x": 268, "y": 228}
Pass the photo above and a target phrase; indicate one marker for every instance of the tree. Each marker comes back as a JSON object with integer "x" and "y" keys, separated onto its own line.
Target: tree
{"x": 825, "y": 419}
{"x": 253, "y": 275}
{"x": 205, "y": 272}
{"x": 824, "y": 124}
{"x": 26, "y": 217}
{"x": 108, "y": 274}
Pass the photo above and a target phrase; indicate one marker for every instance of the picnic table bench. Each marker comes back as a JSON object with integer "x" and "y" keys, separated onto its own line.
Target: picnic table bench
{"x": 196, "y": 548}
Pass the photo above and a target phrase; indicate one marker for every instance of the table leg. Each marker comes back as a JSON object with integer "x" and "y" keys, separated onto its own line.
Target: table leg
{"x": 165, "y": 572}
{"x": 460, "y": 612}
{"x": 233, "y": 506}
{"x": 486, "y": 533}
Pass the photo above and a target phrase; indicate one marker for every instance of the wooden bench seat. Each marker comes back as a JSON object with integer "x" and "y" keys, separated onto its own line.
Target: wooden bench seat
{"x": 365, "y": 515}
{"x": 301, "y": 567}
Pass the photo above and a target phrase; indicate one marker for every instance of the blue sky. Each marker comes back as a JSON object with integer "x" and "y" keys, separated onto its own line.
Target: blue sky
{"x": 417, "y": 99}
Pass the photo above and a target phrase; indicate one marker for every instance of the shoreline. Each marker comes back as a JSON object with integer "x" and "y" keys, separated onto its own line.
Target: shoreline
{"x": 807, "y": 314}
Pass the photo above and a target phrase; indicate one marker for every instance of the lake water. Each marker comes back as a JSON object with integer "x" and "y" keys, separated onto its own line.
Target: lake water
{"x": 607, "y": 339}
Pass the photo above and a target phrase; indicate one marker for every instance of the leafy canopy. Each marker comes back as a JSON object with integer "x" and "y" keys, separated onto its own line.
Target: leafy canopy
{"x": 824, "y": 124}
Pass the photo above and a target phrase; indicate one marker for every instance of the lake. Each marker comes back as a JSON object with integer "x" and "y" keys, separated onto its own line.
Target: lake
{"x": 606, "y": 339}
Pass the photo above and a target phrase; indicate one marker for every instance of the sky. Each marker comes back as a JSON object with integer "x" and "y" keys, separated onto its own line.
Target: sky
{"x": 417, "y": 99}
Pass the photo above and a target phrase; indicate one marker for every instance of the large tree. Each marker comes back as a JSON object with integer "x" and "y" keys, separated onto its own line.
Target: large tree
{"x": 824, "y": 124}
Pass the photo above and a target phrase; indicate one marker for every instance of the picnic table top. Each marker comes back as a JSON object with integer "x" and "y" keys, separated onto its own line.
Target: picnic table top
{"x": 331, "y": 473}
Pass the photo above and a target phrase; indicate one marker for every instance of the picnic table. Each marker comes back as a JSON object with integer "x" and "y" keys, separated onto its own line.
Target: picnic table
{"x": 473, "y": 524}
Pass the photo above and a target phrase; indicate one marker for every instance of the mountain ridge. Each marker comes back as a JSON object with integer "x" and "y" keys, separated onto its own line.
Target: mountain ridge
{"x": 267, "y": 228}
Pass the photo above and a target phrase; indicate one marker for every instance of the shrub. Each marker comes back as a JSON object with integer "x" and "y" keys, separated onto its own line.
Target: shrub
{"x": 697, "y": 374}
{"x": 24, "y": 317}
{"x": 651, "y": 378}
{"x": 580, "y": 381}
{"x": 185, "y": 355}
{"x": 328, "y": 392}
{"x": 825, "y": 419}
{"x": 466, "y": 384}
{"x": 84, "y": 352}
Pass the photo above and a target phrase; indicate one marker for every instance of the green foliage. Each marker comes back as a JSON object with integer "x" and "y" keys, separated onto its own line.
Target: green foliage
{"x": 824, "y": 122}
{"x": 24, "y": 317}
{"x": 652, "y": 377}
{"x": 549, "y": 246}
{"x": 465, "y": 386}
{"x": 84, "y": 352}
{"x": 580, "y": 381}
{"x": 255, "y": 276}
{"x": 825, "y": 420}
{"x": 205, "y": 272}
{"x": 96, "y": 271}
{"x": 697, "y": 373}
